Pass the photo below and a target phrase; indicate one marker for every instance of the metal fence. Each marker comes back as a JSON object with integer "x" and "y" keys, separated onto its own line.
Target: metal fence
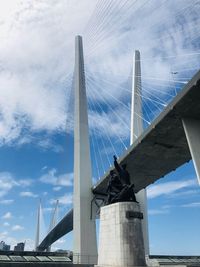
{"x": 84, "y": 259}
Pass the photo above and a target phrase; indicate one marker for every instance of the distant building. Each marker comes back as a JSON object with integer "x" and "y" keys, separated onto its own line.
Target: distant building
{"x": 4, "y": 246}
{"x": 19, "y": 247}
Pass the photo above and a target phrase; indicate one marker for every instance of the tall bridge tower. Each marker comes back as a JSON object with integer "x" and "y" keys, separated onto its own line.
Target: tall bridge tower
{"x": 37, "y": 237}
{"x": 85, "y": 247}
{"x": 136, "y": 130}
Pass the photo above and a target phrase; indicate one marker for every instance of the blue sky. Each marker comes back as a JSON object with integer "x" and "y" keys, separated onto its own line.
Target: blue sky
{"x": 36, "y": 106}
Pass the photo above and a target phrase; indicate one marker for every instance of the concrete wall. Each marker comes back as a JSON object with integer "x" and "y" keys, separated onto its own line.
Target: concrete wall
{"x": 120, "y": 236}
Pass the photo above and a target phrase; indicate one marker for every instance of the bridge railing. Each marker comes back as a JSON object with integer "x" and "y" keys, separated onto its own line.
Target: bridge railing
{"x": 84, "y": 259}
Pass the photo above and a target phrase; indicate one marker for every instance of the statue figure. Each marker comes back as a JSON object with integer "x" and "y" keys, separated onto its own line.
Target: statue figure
{"x": 123, "y": 173}
{"x": 114, "y": 186}
{"x": 119, "y": 186}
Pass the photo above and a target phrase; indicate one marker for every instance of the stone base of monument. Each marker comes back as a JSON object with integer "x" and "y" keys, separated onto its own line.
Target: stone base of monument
{"x": 120, "y": 237}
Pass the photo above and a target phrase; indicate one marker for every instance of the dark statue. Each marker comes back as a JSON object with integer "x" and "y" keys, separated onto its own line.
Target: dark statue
{"x": 119, "y": 187}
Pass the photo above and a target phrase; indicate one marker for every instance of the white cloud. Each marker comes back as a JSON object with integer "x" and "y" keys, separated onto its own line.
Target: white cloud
{"x": 48, "y": 209}
{"x": 192, "y": 205}
{"x": 3, "y": 234}
{"x": 185, "y": 193}
{"x": 118, "y": 126}
{"x": 157, "y": 211}
{"x": 165, "y": 209}
{"x": 60, "y": 241}
{"x": 25, "y": 182}
{"x": 65, "y": 200}
{"x": 36, "y": 79}
{"x": 168, "y": 188}
{"x": 8, "y": 181}
{"x": 57, "y": 180}
{"x": 17, "y": 227}
{"x": 6, "y": 201}
{"x": 28, "y": 194}
{"x": 7, "y": 215}
{"x": 6, "y": 224}
{"x": 48, "y": 144}
{"x": 28, "y": 79}
{"x": 57, "y": 188}
{"x": 44, "y": 168}
{"x": 29, "y": 244}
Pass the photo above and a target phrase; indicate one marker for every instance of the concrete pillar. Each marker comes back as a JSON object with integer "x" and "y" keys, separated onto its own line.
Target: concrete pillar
{"x": 136, "y": 107}
{"x": 192, "y": 132}
{"x": 84, "y": 247}
{"x": 136, "y": 130}
{"x": 53, "y": 221}
{"x": 54, "y": 217}
{"x": 37, "y": 236}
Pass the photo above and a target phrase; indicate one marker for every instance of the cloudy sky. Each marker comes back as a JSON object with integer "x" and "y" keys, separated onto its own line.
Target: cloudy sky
{"x": 36, "y": 105}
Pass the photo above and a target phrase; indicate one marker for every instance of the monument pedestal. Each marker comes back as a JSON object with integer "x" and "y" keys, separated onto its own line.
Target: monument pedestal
{"x": 120, "y": 236}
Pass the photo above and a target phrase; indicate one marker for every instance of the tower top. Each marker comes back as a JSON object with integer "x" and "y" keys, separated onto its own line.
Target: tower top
{"x": 78, "y": 36}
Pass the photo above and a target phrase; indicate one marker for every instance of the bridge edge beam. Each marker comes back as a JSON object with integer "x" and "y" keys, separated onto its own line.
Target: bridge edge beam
{"x": 192, "y": 131}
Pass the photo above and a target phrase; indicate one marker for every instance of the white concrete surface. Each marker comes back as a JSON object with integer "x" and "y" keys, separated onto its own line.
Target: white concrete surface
{"x": 137, "y": 129}
{"x": 120, "y": 237}
{"x": 136, "y": 105}
{"x": 84, "y": 246}
{"x": 37, "y": 237}
{"x": 192, "y": 131}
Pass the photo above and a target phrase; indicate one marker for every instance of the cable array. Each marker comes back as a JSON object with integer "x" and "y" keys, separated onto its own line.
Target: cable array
{"x": 155, "y": 94}
{"x": 112, "y": 31}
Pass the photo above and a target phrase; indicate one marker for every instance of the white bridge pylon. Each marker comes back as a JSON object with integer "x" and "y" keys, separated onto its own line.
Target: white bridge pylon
{"x": 37, "y": 237}
{"x": 137, "y": 129}
{"x": 85, "y": 245}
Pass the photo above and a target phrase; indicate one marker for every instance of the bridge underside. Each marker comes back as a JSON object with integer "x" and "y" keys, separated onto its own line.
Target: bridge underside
{"x": 163, "y": 146}
{"x": 62, "y": 228}
{"x": 159, "y": 150}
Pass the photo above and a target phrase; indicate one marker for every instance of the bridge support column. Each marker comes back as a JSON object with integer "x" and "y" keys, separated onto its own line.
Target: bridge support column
{"x": 192, "y": 132}
{"x": 85, "y": 247}
{"x": 37, "y": 237}
{"x": 136, "y": 130}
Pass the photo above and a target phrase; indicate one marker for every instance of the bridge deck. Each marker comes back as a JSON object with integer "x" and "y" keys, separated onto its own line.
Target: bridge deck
{"x": 163, "y": 146}
{"x": 62, "y": 228}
